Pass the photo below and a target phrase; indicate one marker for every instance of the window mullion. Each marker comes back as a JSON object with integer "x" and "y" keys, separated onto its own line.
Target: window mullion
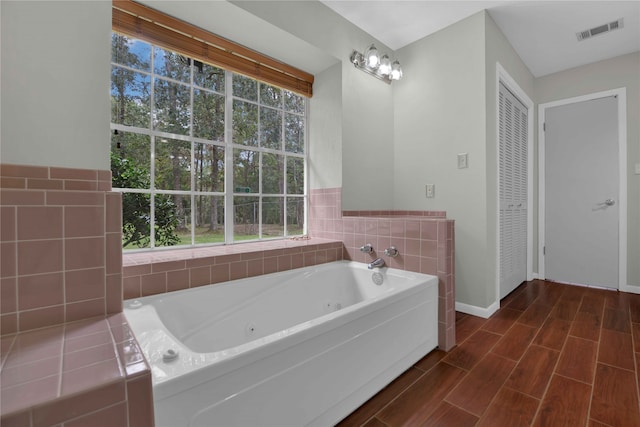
{"x": 260, "y": 198}
{"x": 193, "y": 162}
{"x": 229, "y": 217}
{"x": 283, "y": 146}
{"x": 305, "y": 166}
{"x": 152, "y": 166}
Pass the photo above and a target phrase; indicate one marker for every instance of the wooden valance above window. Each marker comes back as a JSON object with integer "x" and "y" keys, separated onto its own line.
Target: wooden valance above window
{"x": 144, "y": 23}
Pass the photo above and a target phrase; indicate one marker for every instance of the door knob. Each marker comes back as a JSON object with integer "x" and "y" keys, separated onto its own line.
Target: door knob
{"x": 609, "y": 202}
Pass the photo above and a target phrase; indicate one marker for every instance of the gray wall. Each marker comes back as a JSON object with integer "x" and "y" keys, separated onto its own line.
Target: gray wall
{"x": 325, "y": 130}
{"x": 447, "y": 105}
{"x": 55, "y": 81}
{"x": 439, "y": 112}
{"x": 381, "y": 143}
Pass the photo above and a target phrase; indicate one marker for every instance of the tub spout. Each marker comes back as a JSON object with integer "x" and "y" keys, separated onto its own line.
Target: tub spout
{"x": 377, "y": 263}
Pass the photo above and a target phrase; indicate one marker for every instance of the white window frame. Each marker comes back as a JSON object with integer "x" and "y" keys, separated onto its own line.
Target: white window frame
{"x": 229, "y": 146}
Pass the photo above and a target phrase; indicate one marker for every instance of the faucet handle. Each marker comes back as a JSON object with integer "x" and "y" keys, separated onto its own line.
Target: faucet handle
{"x": 392, "y": 252}
{"x": 367, "y": 249}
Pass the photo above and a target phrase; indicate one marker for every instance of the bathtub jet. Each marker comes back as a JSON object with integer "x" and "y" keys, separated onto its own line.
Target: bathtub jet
{"x": 285, "y": 348}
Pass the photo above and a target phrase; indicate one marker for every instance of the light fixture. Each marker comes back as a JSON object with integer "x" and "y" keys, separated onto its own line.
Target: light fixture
{"x": 372, "y": 58}
{"x": 378, "y": 66}
{"x": 396, "y": 71}
{"x": 385, "y": 65}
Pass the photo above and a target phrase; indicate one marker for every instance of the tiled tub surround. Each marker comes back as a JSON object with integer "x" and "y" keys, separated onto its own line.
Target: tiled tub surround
{"x": 62, "y": 263}
{"x": 424, "y": 239}
{"x": 67, "y": 356}
{"x": 85, "y": 373}
{"x": 150, "y": 273}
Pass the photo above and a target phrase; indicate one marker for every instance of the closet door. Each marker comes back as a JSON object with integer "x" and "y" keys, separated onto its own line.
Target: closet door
{"x": 512, "y": 148}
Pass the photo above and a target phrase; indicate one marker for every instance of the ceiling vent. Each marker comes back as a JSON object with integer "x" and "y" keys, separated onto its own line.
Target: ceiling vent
{"x": 586, "y": 34}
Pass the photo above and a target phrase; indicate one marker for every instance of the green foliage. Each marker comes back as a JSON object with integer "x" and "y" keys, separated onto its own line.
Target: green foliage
{"x": 166, "y": 221}
{"x": 136, "y": 207}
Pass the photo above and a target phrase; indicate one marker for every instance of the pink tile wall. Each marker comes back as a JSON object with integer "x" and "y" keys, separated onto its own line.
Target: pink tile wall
{"x": 61, "y": 256}
{"x": 427, "y": 214}
{"x": 150, "y": 273}
{"x": 424, "y": 239}
{"x": 67, "y": 355}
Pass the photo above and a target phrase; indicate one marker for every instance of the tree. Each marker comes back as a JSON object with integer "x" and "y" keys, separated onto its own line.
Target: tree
{"x": 136, "y": 207}
{"x": 208, "y": 123}
{"x": 129, "y": 89}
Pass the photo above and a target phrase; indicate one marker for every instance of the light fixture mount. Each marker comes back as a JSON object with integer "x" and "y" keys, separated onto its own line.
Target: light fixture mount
{"x": 378, "y": 66}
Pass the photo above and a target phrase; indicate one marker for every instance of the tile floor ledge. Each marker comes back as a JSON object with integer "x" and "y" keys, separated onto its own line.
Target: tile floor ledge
{"x": 75, "y": 371}
{"x": 167, "y": 270}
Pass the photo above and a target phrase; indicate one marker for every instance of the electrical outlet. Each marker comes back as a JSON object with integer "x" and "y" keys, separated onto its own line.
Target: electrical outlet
{"x": 463, "y": 160}
{"x": 431, "y": 191}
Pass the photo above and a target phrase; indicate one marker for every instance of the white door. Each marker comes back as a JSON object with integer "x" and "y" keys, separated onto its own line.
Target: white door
{"x": 512, "y": 137}
{"x": 581, "y": 192}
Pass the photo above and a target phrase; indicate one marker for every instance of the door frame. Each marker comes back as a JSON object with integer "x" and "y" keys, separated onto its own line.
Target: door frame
{"x": 502, "y": 76}
{"x": 621, "y": 96}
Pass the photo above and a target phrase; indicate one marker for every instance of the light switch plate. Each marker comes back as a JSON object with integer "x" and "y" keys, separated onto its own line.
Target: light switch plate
{"x": 463, "y": 160}
{"x": 431, "y": 191}
{"x": 637, "y": 168}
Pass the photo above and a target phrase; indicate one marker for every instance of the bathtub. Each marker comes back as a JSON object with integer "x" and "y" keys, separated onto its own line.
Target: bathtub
{"x": 301, "y": 347}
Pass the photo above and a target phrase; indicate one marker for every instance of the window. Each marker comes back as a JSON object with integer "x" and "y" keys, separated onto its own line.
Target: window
{"x": 202, "y": 155}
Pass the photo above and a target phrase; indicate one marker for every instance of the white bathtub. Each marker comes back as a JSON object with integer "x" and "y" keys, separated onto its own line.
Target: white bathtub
{"x": 302, "y": 347}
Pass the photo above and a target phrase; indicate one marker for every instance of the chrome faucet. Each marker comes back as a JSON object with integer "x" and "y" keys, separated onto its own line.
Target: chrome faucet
{"x": 376, "y": 263}
{"x": 367, "y": 249}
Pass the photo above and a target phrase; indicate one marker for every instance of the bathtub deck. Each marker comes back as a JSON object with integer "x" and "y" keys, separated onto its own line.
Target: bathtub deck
{"x": 552, "y": 355}
{"x": 70, "y": 372}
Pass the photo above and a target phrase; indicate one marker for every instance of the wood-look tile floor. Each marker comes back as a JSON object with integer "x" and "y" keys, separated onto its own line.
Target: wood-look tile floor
{"x": 553, "y": 355}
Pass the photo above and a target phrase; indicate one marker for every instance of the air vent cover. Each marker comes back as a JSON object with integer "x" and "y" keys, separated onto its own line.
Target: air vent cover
{"x": 601, "y": 29}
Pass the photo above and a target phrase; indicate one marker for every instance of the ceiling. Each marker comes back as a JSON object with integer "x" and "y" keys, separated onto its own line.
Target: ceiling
{"x": 542, "y": 32}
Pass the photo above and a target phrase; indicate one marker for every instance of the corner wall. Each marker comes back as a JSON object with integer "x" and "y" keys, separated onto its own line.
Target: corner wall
{"x": 440, "y": 112}
{"x": 446, "y": 105}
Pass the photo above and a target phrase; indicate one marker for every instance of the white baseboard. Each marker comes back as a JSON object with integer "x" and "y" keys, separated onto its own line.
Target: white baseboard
{"x": 631, "y": 289}
{"x": 488, "y": 311}
{"x": 478, "y": 311}
{"x": 623, "y": 288}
